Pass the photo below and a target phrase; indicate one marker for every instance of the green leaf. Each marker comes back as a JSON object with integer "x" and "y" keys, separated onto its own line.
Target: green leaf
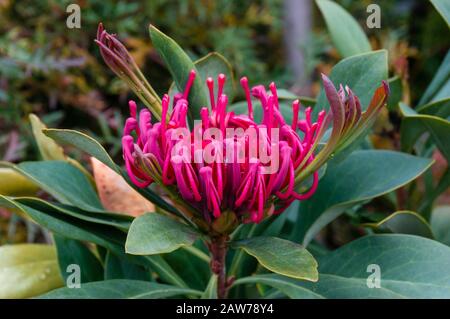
{"x": 410, "y": 267}
{"x": 120, "y": 268}
{"x": 75, "y": 252}
{"x": 211, "y": 290}
{"x": 120, "y": 289}
{"x": 105, "y": 236}
{"x": 405, "y": 262}
{"x": 281, "y": 256}
{"x": 48, "y": 149}
{"x": 346, "y": 33}
{"x": 153, "y": 233}
{"x": 28, "y": 270}
{"x": 440, "y": 83}
{"x": 403, "y": 222}
{"x": 440, "y": 223}
{"x": 63, "y": 181}
{"x": 51, "y": 151}
{"x": 415, "y": 125}
{"x": 439, "y": 108}
{"x": 443, "y": 7}
{"x": 66, "y": 225}
{"x": 363, "y": 73}
{"x": 406, "y": 110}
{"x": 362, "y": 176}
{"x": 15, "y": 184}
{"x": 119, "y": 221}
{"x": 180, "y": 65}
{"x": 93, "y": 148}
{"x": 82, "y": 142}
{"x": 212, "y": 65}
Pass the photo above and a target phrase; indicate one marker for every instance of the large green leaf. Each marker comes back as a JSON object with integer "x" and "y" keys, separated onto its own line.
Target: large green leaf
{"x": 28, "y": 270}
{"x": 75, "y": 252}
{"x": 439, "y": 86}
{"x": 180, "y": 65}
{"x": 153, "y": 233}
{"x": 119, "y": 221}
{"x": 363, "y": 73}
{"x": 360, "y": 177}
{"x": 66, "y": 225}
{"x": 281, "y": 256}
{"x": 105, "y": 236}
{"x": 403, "y": 222}
{"x": 443, "y": 7}
{"x": 410, "y": 267}
{"x": 93, "y": 148}
{"x": 346, "y": 33}
{"x": 63, "y": 181}
{"x": 120, "y": 289}
{"x": 440, "y": 223}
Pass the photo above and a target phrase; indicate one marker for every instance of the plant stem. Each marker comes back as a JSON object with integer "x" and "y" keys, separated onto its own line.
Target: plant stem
{"x": 218, "y": 248}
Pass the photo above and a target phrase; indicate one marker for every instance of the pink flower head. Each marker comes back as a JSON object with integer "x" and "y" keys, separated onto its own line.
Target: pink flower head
{"x": 238, "y": 179}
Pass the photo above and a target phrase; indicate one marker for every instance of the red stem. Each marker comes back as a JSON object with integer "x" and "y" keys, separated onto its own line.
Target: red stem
{"x": 218, "y": 248}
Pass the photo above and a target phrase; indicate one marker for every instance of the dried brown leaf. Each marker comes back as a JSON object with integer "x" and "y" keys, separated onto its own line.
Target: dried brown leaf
{"x": 115, "y": 194}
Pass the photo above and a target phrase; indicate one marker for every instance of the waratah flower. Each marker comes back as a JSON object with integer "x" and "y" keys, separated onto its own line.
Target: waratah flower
{"x": 227, "y": 162}
{"x": 245, "y": 187}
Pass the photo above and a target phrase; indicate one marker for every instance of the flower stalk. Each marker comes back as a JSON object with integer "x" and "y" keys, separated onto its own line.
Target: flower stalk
{"x": 218, "y": 249}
